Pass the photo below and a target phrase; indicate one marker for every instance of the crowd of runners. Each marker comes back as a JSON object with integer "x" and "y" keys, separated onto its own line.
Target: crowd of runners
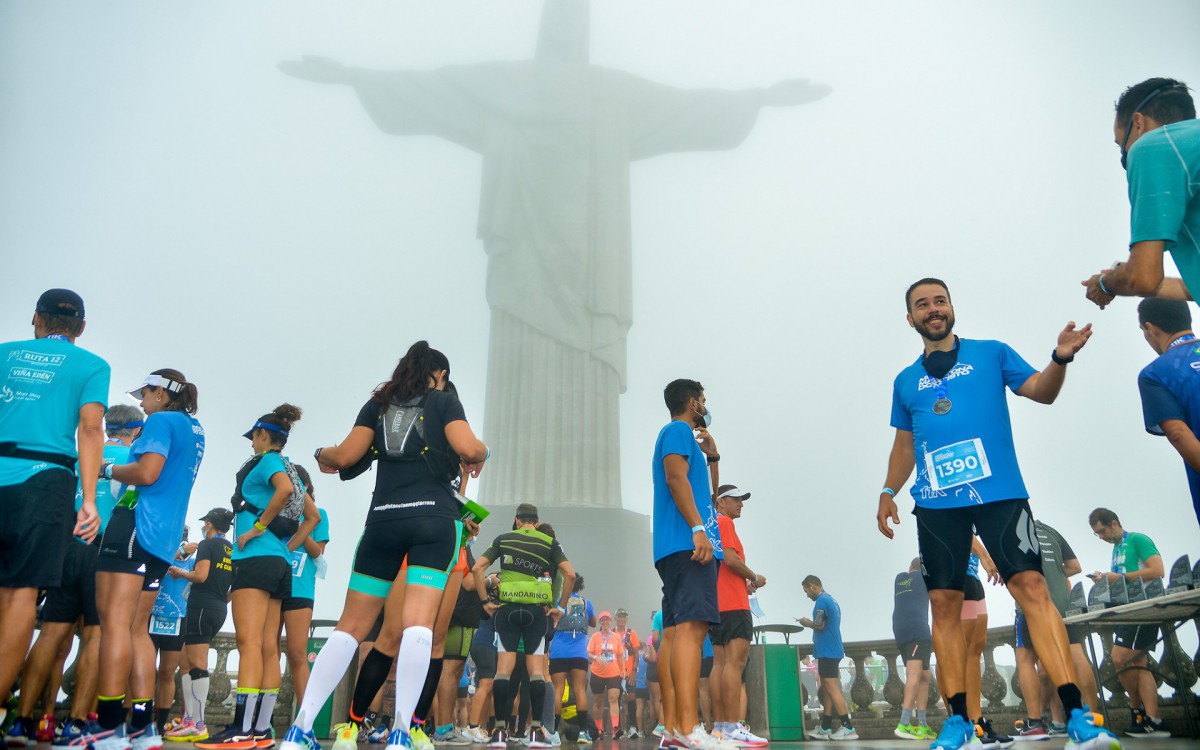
{"x": 95, "y": 498}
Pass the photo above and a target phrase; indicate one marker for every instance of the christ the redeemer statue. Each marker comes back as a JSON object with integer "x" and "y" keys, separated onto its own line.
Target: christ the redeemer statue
{"x": 557, "y": 136}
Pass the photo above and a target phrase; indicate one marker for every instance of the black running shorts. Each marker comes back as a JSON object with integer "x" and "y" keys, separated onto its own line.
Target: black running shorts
{"x": 120, "y": 551}
{"x": 75, "y": 597}
{"x": 293, "y": 603}
{"x": 517, "y": 621}
{"x": 430, "y": 544}
{"x": 565, "y": 666}
{"x": 689, "y": 590}
{"x": 735, "y": 625}
{"x": 973, "y": 590}
{"x": 203, "y": 621}
{"x": 944, "y": 539}
{"x": 828, "y": 669}
{"x": 601, "y": 685}
{"x": 269, "y": 573}
{"x": 706, "y": 665}
{"x": 484, "y": 656}
{"x": 913, "y": 650}
{"x": 169, "y": 643}
{"x": 35, "y": 528}
{"x": 1136, "y": 637}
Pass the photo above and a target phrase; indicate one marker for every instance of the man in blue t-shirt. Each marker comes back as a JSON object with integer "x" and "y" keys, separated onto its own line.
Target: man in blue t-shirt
{"x": 826, "y": 624}
{"x": 52, "y": 400}
{"x": 950, "y": 412}
{"x": 687, "y": 546}
{"x": 1159, "y": 136}
{"x": 1170, "y": 385}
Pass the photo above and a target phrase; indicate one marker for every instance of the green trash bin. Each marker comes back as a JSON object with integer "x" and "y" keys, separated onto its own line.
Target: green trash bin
{"x": 322, "y": 725}
{"x": 785, "y": 706}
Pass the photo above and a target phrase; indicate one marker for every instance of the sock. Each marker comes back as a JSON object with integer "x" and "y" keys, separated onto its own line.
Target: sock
{"x": 826, "y": 721}
{"x": 845, "y": 719}
{"x": 548, "y": 707}
{"x": 186, "y": 686}
{"x": 327, "y": 671}
{"x": 266, "y": 707}
{"x": 110, "y": 711}
{"x": 161, "y": 717}
{"x": 582, "y": 718}
{"x": 499, "y": 699}
{"x": 143, "y": 713}
{"x": 1070, "y": 697}
{"x": 371, "y": 676}
{"x": 922, "y": 718}
{"x": 537, "y": 698}
{"x": 199, "y": 695}
{"x": 958, "y": 706}
{"x": 243, "y": 711}
{"x": 416, "y": 645}
{"x": 428, "y": 690}
{"x": 906, "y": 716}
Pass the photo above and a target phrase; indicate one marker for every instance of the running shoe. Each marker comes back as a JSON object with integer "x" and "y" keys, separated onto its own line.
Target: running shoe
{"x": 988, "y": 738}
{"x": 844, "y": 733}
{"x": 1056, "y": 729}
{"x": 106, "y": 739}
{"x": 1158, "y": 728}
{"x": 417, "y": 739}
{"x": 743, "y": 737}
{"x": 230, "y": 738}
{"x": 957, "y": 733}
{"x": 345, "y": 736}
{"x": 298, "y": 739}
{"x": 499, "y": 738}
{"x": 188, "y": 731}
{"x": 908, "y": 732}
{"x": 379, "y": 734}
{"x": 585, "y": 738}
{"x": 1085, "y": 731}
{"x": 634, "y": 734}
{"x": 820, "y": 733}
{"x": 538, "y": 739}
{"x": 45, "y": 730}
{"x": 659, "y": 730}
{"x": 1031, "y": 730}
{"x": 22, "y": 733}
{"x": 449, "y": 737}
{"x": 475, "y": 735}
{"x": 146, "y": 738}
{"x": 401, "y": 740}
{"x": 265, "y": 740}
{"x": 70, "y": 730}
{"x": 554, "y": 739}
{"x": 927, "y": 732}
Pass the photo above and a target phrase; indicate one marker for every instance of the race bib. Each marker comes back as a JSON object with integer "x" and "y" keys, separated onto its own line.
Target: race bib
{"x": 299, "y": 557}
{"x": 957, "y": 463}
{"x": 160, "y": 625}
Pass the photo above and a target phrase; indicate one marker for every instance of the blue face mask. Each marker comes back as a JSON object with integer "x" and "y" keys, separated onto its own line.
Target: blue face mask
{"x": 706, "y": 416}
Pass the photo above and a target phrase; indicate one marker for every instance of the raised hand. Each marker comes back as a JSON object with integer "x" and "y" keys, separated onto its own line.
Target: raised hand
{"x": 1071, "y": 340}
{"x": 794, "y": 91}
{"x": 316, "y": 69}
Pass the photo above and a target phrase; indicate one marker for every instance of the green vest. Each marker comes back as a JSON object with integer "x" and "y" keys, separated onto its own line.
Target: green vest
{"x": 526, "y": 568}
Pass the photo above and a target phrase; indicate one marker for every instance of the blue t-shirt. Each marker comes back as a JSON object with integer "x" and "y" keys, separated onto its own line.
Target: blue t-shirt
{"x": 827, "y": 642}
{"x": 973, "y": 565}
{"x": 162, "y": 506}
{"x": 671, "y": 532}
{"x": 572, "y": 644}
{"x": 1164, "y": 195}
{"x": 304, "y": 570}
{"x": 43, "y": 385}
{"x": 640, "y": 679}
{"x": 258, "y": 491}
{"x": 172, "y": 593}
{"x": 974, "y": 437}
{"x": 107, "y": 490}
{"x": 1170, "y": 388}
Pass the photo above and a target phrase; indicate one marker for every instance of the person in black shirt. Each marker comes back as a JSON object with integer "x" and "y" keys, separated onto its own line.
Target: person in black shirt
{"x": 420, "y": 436}
{"x": 207, "y": 599}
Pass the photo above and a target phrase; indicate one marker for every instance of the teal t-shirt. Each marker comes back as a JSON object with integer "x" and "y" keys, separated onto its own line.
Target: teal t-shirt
{"x": 304, "y": 571}
{"x": 258, "y": 491}
{"x": 1164, "y": 195}
{"x": 107, "y": 490}
{"x": 43, "y": 385}
{"x": 1131, "y": 553}
{"x": 162, "y": 507}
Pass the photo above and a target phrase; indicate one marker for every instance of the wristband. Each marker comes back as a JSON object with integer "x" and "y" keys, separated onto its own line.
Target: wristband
{"x": 1060, "y": 360}
{"x": 106, "y": 471}
{"x": 259, "y": 525}
{"x": 317, "y": 455}
{"x": 714, "y": 459}
{"x": 888, "y": 490}
{"x": 1100, "y": 283}
{"x": 698, "y": 528}
{"x": 489, "y": 453}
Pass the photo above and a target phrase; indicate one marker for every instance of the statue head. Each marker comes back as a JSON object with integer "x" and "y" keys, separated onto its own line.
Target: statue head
{"x": 564, "y": 33}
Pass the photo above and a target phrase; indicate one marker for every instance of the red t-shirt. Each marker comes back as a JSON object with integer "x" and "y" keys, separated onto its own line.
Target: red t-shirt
{"x": 731, "y": 587}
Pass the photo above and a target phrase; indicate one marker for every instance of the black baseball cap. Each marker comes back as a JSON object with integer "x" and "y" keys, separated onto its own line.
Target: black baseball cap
{"x": 60, "y": 302}
{"x": 220, "y": 518}
{"x": 527, "y": 512}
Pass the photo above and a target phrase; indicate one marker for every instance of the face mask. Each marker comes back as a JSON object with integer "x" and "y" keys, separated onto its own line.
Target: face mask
{"x": 707, "y": 416}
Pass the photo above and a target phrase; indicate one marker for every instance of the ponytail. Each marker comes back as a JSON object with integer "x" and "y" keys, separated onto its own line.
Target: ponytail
{"x": 186, "y": 399}
{"x": 283, "y": 417}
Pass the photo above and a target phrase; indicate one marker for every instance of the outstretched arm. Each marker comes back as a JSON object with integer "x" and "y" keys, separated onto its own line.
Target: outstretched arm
{"x": 1044, "y": 386}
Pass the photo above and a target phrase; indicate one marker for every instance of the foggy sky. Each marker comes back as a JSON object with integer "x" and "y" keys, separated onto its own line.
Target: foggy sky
{"x": 260, "y": 234}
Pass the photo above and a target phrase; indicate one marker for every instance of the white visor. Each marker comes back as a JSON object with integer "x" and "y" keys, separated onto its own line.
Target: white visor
{"x": 735, "y": 492}
{"x": 155, "y": 381}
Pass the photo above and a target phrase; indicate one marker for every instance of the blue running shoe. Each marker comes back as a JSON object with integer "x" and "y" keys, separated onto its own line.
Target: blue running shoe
{"x": 298, "y": 739}
{"x": 399, "y": 740}
{"x": 956, "y": 734}
{"x": 1085, "y": 731}
{"x": 379, "y": 734}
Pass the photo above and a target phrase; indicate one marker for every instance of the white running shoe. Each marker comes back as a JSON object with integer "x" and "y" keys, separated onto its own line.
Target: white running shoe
{"x": 112, "y": 739}
{"x": 743, "y": 737}
{"x": 844, "y": 733}
{"x": 147, "y": 738}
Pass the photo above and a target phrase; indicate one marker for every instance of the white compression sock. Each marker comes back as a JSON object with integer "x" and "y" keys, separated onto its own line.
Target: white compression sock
{"x": 266, "y": 706}
{"x": 188, "y": 713}
{"x": 333, "y": 661}
{"x": 199, "y": 698}
{"x": 416, "y": 647}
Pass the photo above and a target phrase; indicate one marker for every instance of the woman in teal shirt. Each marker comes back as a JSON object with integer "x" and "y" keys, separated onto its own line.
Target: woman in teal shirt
{"x": 307, "y": 565}
{"x": 267, "y": 485}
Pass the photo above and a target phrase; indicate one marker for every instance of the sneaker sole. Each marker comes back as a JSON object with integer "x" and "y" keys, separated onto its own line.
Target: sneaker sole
{"x": 227, "y": 746}
{"x": 1031, "y": 738}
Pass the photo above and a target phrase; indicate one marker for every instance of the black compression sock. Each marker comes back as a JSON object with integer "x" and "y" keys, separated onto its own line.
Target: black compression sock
{"x": 826, "y": 721}
{"x": 374, "y": 672}
{"x": 429, "y": 690}
{"x": 1070, "y": 696}
{"x": 958, "y": 706}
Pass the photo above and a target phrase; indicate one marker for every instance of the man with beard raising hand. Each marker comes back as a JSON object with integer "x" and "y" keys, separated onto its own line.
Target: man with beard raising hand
{"x": 950, "y": 411}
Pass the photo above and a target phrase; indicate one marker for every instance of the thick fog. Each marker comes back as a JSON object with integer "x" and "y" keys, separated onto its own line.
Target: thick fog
{"x": 266, "y": 237}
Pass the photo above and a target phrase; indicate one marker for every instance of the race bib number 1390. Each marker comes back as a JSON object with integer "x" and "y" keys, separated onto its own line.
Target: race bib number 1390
{"x": 957, "y": 464}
